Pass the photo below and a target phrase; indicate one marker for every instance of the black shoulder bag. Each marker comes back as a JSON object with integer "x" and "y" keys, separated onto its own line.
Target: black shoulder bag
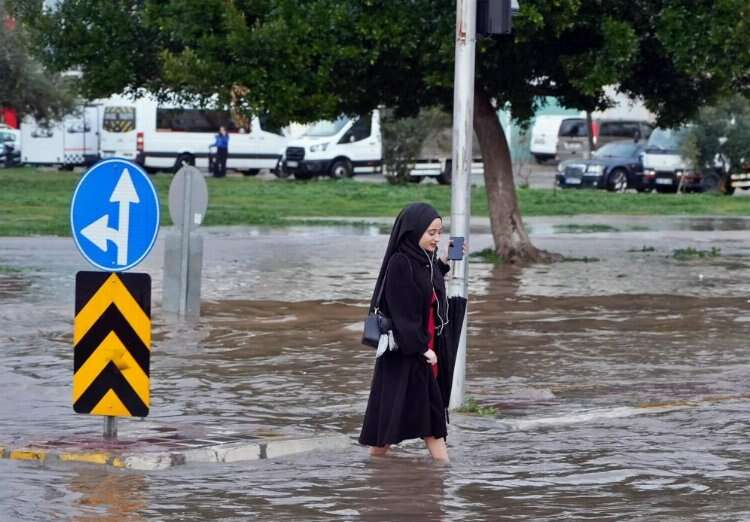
{"x": 376, "y": 323}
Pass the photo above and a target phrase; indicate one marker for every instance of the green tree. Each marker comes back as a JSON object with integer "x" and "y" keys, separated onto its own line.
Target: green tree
{"x": 24, "y": 84}
{"x": 720, "y": 134}
{"x": 404, "y": 139}
{"x": 309, "y": 59}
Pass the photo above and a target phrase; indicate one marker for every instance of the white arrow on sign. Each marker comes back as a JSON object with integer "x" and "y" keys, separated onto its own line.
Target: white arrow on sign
{"x": 99, "y": 232}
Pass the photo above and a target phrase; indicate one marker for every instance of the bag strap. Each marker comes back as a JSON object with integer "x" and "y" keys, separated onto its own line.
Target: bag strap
{"x": 382, "y": 286}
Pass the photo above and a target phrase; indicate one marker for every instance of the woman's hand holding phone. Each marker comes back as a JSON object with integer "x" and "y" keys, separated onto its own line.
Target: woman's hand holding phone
{"x": 457, "y": 248}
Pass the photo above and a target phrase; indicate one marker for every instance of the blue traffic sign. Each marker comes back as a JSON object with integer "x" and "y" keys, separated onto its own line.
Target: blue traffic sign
{"x": 114, "y": 215}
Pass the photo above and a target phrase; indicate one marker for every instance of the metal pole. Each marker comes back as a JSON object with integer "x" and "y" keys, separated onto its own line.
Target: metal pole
{"x": 463, "y": 133}
{"x": 187, "y": 215}
{"x": 110, "y": 428}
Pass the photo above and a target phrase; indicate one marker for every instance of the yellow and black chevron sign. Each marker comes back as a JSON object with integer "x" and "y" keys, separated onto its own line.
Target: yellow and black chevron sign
{"x": 112, "y": 340}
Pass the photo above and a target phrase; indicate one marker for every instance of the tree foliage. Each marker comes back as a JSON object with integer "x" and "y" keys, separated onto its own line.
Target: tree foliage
{"x": 404, "y": 139}
{"x": 24, "y": 84}
{"x": 721, "y": 131}
{"x": 309, "y": 59}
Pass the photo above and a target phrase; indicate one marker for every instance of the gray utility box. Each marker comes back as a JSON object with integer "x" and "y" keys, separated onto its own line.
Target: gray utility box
{"x": 494, "y": 16}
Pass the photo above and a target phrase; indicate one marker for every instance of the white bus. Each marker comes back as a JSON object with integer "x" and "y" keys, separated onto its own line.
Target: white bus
{"x": 163, "y": 136}
{"x": 71, "y": 142}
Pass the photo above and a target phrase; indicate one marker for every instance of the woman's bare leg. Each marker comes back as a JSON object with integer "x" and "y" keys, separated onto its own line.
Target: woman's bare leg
{"x": 437, "y": 447}
{"x": 378, "y": 451}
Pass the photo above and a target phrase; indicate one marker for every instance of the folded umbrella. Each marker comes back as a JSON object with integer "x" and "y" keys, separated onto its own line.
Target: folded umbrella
{"x": 447, "y": 346}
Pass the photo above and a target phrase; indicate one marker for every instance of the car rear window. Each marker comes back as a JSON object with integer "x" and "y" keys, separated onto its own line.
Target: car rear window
{"x": 573, "y": 128}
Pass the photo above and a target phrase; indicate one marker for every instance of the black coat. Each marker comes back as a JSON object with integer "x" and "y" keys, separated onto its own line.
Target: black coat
{"x": 405, "y": 399}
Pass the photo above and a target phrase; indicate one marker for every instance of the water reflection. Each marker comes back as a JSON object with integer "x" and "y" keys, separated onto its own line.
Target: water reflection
{"x": 108, "y": 496}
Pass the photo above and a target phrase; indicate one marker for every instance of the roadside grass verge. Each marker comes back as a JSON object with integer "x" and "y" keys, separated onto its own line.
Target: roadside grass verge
{"x": 37, "y": 202}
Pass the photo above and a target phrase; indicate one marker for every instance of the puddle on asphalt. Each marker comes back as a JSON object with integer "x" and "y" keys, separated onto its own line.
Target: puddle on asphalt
{"x": 620, "y": 386}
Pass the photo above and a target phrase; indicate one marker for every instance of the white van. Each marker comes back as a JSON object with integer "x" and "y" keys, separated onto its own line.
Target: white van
{"x": 74, "y": 141}
{"x": 162, "y": 136}
{"x": 338, "y": 148}
{"x": 544, "y": 133}
{"x": 664, "y": 166}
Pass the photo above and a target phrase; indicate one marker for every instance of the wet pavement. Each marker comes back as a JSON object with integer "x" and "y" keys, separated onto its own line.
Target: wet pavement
{"x": 620, "y": 383}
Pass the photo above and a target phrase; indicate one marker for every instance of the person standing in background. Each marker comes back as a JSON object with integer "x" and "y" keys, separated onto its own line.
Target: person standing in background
{"x": 222, "y": 151}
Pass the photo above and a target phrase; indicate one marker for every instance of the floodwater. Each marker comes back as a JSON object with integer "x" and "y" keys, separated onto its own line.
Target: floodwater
{"x": 620, "y": 384}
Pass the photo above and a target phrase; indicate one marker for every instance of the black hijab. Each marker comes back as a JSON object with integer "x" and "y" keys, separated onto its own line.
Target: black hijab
{"x": 410, "y": 225}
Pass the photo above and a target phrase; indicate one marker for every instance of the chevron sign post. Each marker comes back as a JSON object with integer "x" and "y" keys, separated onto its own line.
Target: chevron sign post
{"x": 112, "y": 339}
{"x": 114, "y": 217}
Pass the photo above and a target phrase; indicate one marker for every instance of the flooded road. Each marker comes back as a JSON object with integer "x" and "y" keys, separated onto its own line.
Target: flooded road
{"x": 620, "y": 384}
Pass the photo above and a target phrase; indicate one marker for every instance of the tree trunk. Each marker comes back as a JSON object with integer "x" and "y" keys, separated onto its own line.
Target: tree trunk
{"x": 511, "y": 240}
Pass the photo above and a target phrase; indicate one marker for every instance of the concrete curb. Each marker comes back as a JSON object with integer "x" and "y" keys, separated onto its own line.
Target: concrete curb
{"x": 158, "y": 460}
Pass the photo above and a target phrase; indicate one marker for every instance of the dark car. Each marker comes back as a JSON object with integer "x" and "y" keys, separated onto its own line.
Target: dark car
{"x": 573, "y": 141}
{"x": 616, "y": 166}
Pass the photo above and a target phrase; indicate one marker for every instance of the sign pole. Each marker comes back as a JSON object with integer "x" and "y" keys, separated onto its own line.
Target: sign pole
{"x": 187, "y": 214}
{"x": 110, "y": 428}
{"x": 183, "y": 250}
{"x": 463, "y": 133}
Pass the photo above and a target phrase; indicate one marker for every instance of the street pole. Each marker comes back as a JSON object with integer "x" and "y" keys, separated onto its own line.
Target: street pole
{"x": 110, "y": 427}
{"x": 463, "y": 133}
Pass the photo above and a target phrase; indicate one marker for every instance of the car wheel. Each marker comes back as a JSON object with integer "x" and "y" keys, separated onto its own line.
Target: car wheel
{"x": 617, "y": 181}
{"x": 726, "y": 186}
{"x": 710, "y": 182}
{"x": 341, "y": 169}
{"x": 182, "y": 160}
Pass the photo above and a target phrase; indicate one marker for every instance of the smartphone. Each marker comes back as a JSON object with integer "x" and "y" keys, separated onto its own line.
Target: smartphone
{"x": 456, "y": 249}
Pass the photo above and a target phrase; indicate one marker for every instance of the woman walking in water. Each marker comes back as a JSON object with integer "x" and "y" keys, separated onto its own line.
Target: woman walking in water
{"x": 405, "y": 399}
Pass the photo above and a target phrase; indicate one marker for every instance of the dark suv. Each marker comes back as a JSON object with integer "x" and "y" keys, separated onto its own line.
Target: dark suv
{"x": 573, "y": 141}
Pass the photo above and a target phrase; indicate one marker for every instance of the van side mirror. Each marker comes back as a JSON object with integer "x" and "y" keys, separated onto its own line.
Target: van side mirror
{"x": 352, "y": 138}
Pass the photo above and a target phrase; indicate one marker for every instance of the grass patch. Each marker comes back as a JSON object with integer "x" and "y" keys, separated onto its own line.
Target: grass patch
{"x": 643, "y": 249}
{"x": 472, "y": 407}
{"x": 584, "y": 229}
{"x": 684, "y": 254}
{"x": 488, "y": 255}
{"x": 37, "y": 202}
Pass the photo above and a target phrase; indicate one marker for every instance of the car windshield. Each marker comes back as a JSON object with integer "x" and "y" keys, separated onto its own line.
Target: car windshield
{"x": 616, "y": 150}
{"x": 666, "y": 140}
{"x": 323, "y": 129}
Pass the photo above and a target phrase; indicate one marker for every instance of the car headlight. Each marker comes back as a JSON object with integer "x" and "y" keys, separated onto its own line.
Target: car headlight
{"x": 678, "y": 173}
{"x": 319, "y": 147}
{"x": 649, "y": 172}
{"x": 594, "y": 169}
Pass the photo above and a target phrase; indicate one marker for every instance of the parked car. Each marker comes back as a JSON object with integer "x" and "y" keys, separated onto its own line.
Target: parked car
{"x": 664, "y": 164}
{"x": 616, "y": 166}
{"x": 10, "y": 147}
{"x": 573, "y": 141}
{"x": 544, "y": 133}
